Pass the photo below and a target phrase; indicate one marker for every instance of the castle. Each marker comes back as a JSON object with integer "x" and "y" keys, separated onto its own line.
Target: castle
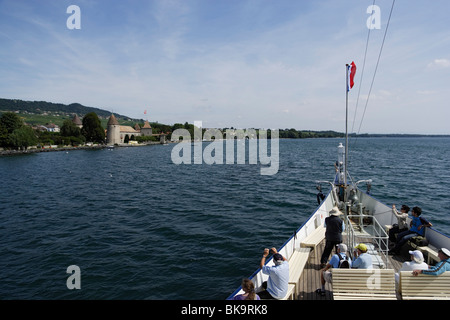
{"x": 118, "y": 134}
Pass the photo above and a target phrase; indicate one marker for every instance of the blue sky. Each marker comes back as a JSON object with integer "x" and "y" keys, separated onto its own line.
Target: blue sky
{"x": 245, "y": 64}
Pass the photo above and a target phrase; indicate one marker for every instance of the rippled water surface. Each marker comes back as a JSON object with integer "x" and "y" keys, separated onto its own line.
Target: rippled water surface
{"x": 141, "y": 227}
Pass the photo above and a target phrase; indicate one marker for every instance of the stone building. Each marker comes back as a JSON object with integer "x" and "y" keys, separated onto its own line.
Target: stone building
{"x": 118, "y": 134}
{"x": 146, "y": 130}
{"x": 76, "y": 120}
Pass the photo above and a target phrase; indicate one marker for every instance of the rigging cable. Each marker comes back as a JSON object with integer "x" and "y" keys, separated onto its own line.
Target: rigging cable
{"x": 362, "y": 74}
{"x": 376, "y": 67}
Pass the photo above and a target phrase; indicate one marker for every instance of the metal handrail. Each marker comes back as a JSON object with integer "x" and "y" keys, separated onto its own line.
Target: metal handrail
{"x": 376, "y": 235}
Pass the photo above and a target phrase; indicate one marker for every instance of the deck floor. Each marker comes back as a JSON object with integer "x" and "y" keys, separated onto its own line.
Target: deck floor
{"x": 310, "y": 278}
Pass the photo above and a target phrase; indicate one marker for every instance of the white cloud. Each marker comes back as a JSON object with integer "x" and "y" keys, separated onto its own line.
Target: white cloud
{"x": 439, "y": 63}
{"x": 241, "y": 64}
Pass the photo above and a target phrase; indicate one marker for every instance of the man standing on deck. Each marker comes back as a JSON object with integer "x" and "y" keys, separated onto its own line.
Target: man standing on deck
{"x": 276, "y": 286}
{"x": 334, "y": 227}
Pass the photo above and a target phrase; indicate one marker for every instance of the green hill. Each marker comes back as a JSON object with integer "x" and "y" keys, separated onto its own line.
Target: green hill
{"x": 42, "y": 112}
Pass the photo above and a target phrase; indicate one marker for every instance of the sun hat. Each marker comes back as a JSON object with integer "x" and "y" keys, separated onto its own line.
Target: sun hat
{"x": 361, "y": 247}
{"x": 417, "y": 256}
{"x": 335, "y": 211}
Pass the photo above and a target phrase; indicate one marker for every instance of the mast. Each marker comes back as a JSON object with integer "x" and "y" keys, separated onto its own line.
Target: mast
{"x": 347, "y": 66}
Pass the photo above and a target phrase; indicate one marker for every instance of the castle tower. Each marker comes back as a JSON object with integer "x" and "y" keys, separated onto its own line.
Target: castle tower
{"x": 146, "y": 130}
{"x": 113, "y": 131}
{"x": 76, "y": 120}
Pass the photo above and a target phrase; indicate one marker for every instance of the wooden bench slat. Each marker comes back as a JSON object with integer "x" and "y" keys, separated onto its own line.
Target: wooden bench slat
{"x": 291, "y": 292}
{"x": 314, "y": 239}
{"x": 368, "y": 284}
{"x": 297, "y": 263}
{"x": 424, "y": 287}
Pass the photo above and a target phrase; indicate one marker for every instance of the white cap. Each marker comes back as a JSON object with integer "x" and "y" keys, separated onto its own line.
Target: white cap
{"x": 445, "y": 251}
{"x": 417, "y": 256}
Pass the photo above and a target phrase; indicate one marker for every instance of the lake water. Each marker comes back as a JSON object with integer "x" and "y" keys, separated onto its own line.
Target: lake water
{"x": 140, "y": 227}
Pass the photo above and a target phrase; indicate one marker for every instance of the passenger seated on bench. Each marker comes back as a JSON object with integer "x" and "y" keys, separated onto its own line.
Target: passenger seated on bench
{"x": 401, "y": 226}
{"x": 276, "y": 287}
{"x": 336, "y": 261}
{"x": 440, "y": 267}
{"x": 361, "y": 259}
{"x": 416, "y": 263}
{"x": 249, "y": 288}
{"x": 418, "y": 225}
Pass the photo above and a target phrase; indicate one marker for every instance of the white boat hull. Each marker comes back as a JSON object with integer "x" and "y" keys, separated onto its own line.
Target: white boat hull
{"x": 371, "y": 207}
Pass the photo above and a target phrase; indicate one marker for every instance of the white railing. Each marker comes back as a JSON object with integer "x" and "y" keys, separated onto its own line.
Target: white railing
{"x": 366, "y": 229}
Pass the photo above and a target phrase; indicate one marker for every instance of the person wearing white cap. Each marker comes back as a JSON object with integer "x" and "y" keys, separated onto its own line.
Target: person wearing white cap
{"x": 440, "y": 267}
{"x": 416, "y": 263}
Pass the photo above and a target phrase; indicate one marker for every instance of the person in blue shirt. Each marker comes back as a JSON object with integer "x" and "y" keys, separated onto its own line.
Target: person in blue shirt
{"x": 361, "y": 259}
{"x": 440, "y": 267}
{"x": 335, "y": 262}
{"x": 417, "y": 228}
{"x": 276, "y": 287}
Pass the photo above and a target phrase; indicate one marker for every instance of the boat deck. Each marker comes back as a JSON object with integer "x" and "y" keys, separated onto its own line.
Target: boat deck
{"x": 310, "y": 278}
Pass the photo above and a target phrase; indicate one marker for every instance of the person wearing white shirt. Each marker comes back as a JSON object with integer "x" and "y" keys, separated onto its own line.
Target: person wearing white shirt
{"x": 416, "y": 263}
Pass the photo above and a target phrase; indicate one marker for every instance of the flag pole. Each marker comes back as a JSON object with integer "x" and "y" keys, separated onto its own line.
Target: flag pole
{"x": 346, "y": 132}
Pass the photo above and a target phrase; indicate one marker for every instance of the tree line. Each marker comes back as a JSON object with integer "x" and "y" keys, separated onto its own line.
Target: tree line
{"x": 16, "y": 135}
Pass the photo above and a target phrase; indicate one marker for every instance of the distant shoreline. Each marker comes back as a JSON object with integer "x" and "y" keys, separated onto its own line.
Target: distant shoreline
{"x": 398, "y": 135}
{"x": 97, "y": 147}
{"x": 39, "y": 150}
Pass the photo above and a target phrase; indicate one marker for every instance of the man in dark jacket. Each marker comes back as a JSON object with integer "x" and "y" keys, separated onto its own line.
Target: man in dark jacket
{"x": 334, "y": 226}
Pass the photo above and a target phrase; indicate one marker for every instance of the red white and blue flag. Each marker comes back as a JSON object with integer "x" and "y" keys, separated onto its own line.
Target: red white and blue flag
{"x": 351, "y": 75}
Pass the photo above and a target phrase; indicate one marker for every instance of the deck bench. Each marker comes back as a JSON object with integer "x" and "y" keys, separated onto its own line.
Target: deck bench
{"x": 297, "y": 263}
{"x": 291, "y": 292}
{"x": 314, "y": 239}
{"x": 430, "y": 251}
{"x": 424, "y": 287}
{"x": 363, "y": 284}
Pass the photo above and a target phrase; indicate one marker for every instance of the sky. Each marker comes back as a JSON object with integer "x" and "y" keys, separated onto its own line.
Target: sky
{"x": 268, "y": 64}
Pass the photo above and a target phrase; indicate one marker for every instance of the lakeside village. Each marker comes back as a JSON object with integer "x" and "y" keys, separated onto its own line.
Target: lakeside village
{"x": 16, "y": 136}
